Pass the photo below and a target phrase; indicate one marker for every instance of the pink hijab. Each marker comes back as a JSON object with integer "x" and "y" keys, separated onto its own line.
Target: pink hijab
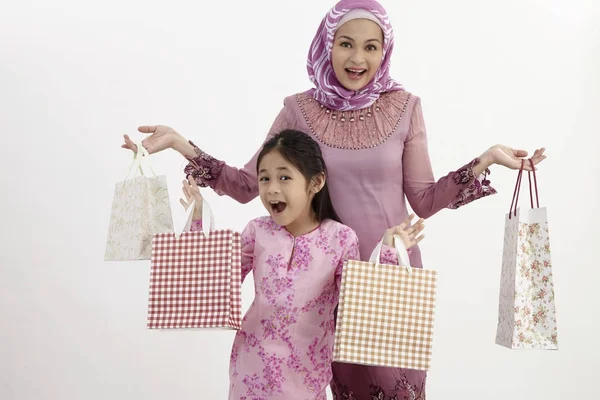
{"x": 329, "y": 91}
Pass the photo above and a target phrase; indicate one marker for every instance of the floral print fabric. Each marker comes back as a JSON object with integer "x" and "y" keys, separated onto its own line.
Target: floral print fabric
{"x": 284, "y": 349}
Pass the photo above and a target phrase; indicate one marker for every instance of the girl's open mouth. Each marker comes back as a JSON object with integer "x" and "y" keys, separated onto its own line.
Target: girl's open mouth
{"x": 278, "y": 206}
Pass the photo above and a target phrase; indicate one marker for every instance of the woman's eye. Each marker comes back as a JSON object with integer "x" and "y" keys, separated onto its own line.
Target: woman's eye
{"x": 371, "y": 48}
{"x": 346, "y": 44}
{"x": 285, "y": 178}
{"x": 263, "y": 179}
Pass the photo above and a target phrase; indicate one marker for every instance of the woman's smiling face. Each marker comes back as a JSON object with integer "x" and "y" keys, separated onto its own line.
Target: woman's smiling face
{"x": 357, "y": 53}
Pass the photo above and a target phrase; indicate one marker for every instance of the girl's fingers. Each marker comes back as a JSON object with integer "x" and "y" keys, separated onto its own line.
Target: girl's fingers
{"x": 191, "y": 189}
{"x": 406, "y": 222}
{"x": 192, "y": 182}
{"x": 186, "y": 190}
{"x": 417, "y": 225}
{"x": 418, "y": 239}
{"x": 414, "y": 230}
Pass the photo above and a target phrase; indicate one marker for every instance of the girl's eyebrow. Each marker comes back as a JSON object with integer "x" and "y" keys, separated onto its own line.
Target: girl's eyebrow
{"x": 278, "y": 169}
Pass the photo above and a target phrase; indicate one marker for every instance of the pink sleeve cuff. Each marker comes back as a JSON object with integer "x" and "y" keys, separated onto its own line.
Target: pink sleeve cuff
{"x": 196, "y": 225}
{"x": 389, "y": 255}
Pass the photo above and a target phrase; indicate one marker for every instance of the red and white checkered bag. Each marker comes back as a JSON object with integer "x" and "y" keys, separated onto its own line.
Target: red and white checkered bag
{"x": 195, "y": 278}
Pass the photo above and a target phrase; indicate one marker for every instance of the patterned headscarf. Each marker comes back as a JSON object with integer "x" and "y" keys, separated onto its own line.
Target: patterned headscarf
{"x": 329, "y": 91}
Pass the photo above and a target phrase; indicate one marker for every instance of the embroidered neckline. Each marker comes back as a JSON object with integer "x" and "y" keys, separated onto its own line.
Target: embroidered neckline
{"x": 355, "y": 130}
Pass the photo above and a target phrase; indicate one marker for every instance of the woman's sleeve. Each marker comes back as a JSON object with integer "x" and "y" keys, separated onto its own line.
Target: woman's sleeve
{"x": 426, "y": 195}
{"x": 239, "y": 184}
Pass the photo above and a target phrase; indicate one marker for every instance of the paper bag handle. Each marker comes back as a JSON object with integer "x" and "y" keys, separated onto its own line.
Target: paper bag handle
{"x": 208, "y": 219}
{"x": 136, "y": 165}
{"x": 402, "y": 254}
{"x": 515, "y": 199}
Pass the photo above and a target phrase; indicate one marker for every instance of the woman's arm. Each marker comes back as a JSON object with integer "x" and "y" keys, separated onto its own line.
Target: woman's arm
{"x": 240, "y": 184}
{"x": 428, "y": 196}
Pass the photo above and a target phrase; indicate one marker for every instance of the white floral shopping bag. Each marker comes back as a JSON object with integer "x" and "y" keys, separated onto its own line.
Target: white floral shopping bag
{"x": 527, "y": 313}
{"x": 140, "y": 209}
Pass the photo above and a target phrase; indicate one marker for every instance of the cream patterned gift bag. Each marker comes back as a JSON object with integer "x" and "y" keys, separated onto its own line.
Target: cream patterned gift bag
{"x": 527, "y": 314}
{"x": 140, "y": 209}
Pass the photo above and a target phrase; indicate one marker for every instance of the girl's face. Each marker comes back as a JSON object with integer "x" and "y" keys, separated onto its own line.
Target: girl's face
{"x": 357, "y": 53}
{"x": 286, "y": 193}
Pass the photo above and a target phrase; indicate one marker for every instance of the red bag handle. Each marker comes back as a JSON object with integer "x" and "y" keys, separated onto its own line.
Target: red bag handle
{"x": 515, "y": 199}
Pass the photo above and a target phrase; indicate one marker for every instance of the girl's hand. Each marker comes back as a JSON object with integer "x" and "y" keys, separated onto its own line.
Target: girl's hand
{"x": 510, "y": 158}
{"x": 192, "y": 192}
{"x": 407, "y": 233}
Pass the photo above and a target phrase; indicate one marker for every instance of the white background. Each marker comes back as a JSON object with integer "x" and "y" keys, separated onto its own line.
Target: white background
{"x": 75, "y": 76}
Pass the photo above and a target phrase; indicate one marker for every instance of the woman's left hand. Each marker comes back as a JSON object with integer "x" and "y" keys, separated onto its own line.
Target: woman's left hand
{"x": 510, "y": 158}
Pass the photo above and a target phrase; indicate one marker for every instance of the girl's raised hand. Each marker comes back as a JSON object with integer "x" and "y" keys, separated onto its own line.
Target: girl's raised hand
{"x": 192, "y": 192}
{"x": 407, "y": 232}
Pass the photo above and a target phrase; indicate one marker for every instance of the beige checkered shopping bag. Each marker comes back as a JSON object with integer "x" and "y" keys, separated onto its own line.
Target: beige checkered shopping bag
{"x": 195, "y": 278}
{"x": 386, "y": 313}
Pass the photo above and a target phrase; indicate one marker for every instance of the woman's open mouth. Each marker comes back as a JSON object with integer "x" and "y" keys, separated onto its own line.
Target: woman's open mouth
{"x": 355, "y": 73}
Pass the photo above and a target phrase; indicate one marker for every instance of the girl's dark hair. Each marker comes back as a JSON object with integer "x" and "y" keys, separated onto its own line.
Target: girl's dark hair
{"x": 304, "y": 153}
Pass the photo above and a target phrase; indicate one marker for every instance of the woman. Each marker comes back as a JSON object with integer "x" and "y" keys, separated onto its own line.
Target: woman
{"x": 372, "y": 135}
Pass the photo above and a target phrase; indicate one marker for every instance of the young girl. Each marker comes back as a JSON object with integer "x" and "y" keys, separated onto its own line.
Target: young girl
{"x": 296, "y": 254}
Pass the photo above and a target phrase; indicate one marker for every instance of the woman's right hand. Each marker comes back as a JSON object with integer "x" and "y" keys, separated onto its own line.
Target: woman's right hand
{"x": 161, "y": 137}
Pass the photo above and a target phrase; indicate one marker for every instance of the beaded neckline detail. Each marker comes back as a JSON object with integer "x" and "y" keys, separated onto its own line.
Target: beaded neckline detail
{"x": 355, "y": 130}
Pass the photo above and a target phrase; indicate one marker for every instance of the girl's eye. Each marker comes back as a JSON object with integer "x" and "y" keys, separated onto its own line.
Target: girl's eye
{"x": 345, "y": 44}
{"x": 263, "y": 179}
{"x": 371, "y": 47}
{"x": 285, "y": 178}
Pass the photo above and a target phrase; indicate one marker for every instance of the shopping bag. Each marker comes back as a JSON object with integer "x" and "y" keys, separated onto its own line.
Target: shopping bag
{"x": 527, "y": 312}
{"x": 195, "y": 277}
{"x": 140, "y": 209}
{"x": 386, "y": 313}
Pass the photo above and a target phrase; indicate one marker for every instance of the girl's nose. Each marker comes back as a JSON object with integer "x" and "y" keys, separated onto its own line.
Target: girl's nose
{"x": 273, "y": 187}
